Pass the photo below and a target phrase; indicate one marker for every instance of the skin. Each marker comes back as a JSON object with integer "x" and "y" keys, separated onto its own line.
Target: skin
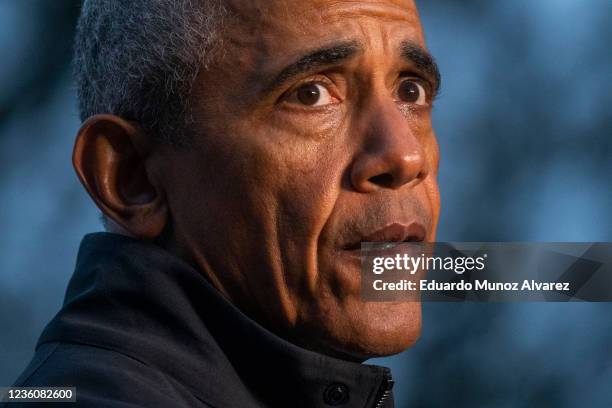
{"x": 266, "y": 199}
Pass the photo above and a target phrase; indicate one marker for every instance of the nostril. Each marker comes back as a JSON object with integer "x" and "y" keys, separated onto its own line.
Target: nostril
{"x": 383, "y": 180}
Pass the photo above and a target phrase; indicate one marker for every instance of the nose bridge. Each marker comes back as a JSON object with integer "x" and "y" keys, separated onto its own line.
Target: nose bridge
{"x": 389, "y": 130}
{"x": 391, "y": 154}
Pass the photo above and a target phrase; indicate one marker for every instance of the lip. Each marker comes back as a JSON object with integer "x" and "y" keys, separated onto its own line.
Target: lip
{"x": 394, "y": 232}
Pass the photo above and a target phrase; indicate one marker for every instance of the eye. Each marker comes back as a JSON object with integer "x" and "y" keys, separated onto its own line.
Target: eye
{"x": 311, "y": 94}
{"x": 412, "y": 91}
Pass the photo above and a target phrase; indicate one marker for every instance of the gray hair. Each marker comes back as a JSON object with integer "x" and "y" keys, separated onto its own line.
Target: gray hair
{"x": 138, "y": 59}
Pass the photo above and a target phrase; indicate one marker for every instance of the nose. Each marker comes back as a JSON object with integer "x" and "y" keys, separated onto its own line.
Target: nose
{"x": 392, "y": 155}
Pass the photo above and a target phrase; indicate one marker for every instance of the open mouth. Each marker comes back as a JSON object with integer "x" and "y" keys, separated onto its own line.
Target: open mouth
{"x": 395, "y": 232}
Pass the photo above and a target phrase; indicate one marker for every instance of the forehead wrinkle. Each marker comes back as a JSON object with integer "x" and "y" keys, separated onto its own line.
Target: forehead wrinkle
{"x": 379, "y": 10}
{"x": 264, "y": 23}
{"x": 299, "y": 13}
{"x": 259, "y": 26}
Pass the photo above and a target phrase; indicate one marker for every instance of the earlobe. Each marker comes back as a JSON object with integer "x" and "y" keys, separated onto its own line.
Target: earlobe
{"x": 112, "y": 159}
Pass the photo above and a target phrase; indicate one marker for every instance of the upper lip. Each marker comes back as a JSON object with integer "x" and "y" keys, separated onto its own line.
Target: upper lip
{"x": 394, "y": 232}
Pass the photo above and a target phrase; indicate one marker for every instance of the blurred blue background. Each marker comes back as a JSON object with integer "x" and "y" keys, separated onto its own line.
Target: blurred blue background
{"x": 525, "y": 127}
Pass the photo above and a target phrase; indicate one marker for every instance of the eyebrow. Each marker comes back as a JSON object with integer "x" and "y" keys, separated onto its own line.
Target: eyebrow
{"x": 423, "y": 61}
{"x": 339, "y": 52}
{"x": 322, "y": 57}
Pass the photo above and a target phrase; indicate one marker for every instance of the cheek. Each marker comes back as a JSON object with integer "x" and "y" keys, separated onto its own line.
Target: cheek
{"x": 431, "y": 182}
{"x": 295, "y": 163}
{"x": 307, "y": 192}
{"x": 433, "y": 153}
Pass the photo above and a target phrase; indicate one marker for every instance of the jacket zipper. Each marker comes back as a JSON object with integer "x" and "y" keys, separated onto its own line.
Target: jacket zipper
{"x": 385, "y": 388}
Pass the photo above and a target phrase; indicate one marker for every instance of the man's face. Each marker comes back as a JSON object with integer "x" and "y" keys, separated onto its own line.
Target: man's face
{"x": 314, "y": 133}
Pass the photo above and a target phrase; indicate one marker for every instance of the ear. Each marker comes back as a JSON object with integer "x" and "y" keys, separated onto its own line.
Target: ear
{"x": 112, "y": 159}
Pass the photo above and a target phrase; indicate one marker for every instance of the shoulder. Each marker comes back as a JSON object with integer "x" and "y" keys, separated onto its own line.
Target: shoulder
{"x": 103, "y": 378}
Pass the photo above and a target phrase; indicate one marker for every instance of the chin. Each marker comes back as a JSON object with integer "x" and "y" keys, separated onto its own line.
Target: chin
{"x": 359, "y": 331}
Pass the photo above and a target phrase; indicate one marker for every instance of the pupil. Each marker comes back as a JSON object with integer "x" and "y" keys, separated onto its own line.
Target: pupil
{"x": 409, "y": 91}
{"x": 308, "y": 94}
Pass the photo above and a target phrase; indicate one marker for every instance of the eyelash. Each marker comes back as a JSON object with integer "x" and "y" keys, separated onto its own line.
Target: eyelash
{"x": 324, "y": 81}
{"x": 430, "y": 94}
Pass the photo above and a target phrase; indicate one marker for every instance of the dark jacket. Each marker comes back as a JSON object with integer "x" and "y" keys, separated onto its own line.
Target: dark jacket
{"x": 141, "y": 328}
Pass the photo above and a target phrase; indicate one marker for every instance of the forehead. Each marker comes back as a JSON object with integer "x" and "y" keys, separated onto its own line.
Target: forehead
{"x": 277, "y": 24}
{"x": 263, "y": 37}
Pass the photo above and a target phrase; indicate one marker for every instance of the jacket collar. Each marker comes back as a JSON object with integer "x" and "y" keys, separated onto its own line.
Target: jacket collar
{"x": 137, "y": 299}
